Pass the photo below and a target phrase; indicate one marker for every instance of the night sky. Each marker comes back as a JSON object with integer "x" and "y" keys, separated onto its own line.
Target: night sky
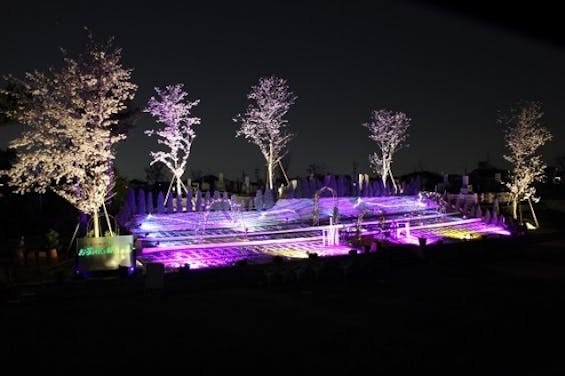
{"x": 449, "y": 71}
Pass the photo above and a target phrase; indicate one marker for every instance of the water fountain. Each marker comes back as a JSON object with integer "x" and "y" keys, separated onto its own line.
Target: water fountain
{"x": 222, "y": 203}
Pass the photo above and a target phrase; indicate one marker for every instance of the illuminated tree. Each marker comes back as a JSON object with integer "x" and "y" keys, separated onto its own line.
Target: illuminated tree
{"x": 70, "y": 119}
{"x": 390, "y": 131}
{"x": 524, "y": 134}
{"x": 177, "y": 134}
{"x": 263, "y": 123}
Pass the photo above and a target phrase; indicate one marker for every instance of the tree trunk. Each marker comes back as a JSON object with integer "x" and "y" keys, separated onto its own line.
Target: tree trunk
{"x": 520, "y": 214}
{"x": 270, "y": 173}
{"x": 270, "y": 166}
{"x": 393, "y": 182}
{"x": 514, "y": 208}
{"x": 384, "y": 171}
{"x": 112, "y": 180}
{"x": 96, "y": 224}
{"x": 179, "y": 192}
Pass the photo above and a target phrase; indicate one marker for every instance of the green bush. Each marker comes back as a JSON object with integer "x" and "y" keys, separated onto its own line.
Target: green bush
{"x": 52, "y": 239}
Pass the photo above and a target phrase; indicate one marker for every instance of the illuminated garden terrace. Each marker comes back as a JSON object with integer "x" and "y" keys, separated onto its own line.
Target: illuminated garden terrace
{"x": 224, "y": 237}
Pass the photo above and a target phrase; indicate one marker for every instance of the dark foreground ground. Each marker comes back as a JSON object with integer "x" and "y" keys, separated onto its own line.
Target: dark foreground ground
{"x": 490, "y": 307}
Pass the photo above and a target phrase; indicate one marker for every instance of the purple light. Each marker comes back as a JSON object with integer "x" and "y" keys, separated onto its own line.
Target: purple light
{"x": 216, "y": 238}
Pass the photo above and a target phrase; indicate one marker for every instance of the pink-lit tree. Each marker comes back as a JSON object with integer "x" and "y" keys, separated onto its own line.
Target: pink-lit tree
{"x": 524, "y": 134}
{"x": 70, "y": 118}
{"x": 177, "y": 134}
{"x": 390, "y": 131}
{"x": 263, "y": 123}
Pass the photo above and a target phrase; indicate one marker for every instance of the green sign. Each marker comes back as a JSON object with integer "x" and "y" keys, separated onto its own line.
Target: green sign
{"x": 105, "y": 253}
{"x": 93, "y": 251}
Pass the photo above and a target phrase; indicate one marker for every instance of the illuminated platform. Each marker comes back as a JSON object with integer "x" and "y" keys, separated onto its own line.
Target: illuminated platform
{"x": 221, "y": 256}
{"x": 224, "y": 237}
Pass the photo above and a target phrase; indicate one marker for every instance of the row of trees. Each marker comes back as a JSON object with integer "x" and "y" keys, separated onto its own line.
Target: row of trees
{"x": 73, "y": 116}
{"x": 263, "y": 124}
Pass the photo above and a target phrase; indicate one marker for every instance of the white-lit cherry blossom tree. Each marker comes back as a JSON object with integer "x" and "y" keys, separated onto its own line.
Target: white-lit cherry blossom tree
{"x": 69, "y": 114}
{"x": 524, "y": 134}
{"x": 263, "y": 123}
{"x": 390, "y": 131}
{"x": 172, "y": 109}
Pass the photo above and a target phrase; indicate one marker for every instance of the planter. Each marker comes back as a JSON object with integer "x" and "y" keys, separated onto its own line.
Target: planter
{"x": 104, "y": 253}
{"x": 21, "y": 257}
{"x": 30, "y": 258}
{"x": 52, "y": 255}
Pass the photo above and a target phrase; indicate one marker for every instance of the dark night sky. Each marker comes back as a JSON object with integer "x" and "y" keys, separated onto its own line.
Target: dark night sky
{"x": 449, "y": 71}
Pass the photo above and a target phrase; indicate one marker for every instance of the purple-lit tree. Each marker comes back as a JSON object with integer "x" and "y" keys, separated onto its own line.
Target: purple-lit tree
{"x": 263, "y": 123}
{"x": 71, "y": 127}
{"x": 172, "y": 109}
{"x": 390, "y": 131}
{"x": 524, "y": 134}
